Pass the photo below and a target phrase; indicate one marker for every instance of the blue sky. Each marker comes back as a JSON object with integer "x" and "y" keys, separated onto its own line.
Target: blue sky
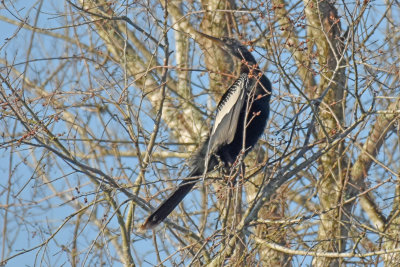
{"x": 51, "y": 213}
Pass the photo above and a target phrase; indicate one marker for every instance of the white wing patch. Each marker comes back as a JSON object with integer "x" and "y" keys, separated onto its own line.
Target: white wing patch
{"x": 229, "y": 102}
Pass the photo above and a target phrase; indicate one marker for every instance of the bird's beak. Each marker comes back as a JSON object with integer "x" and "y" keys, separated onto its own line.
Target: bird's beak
{"x": 209, "y": 37}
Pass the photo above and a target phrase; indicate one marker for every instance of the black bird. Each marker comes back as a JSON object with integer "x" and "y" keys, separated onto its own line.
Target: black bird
{"x": 246, "y": 102}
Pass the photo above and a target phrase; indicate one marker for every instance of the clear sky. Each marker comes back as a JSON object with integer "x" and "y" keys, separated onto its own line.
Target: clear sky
{"x": 40, "y": 219}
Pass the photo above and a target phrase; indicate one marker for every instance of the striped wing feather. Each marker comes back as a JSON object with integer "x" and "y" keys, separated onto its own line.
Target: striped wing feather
{"x": 228, "y": 113}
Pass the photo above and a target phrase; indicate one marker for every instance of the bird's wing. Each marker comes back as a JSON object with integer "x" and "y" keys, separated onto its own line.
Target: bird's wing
{"x": 228, "y": 113}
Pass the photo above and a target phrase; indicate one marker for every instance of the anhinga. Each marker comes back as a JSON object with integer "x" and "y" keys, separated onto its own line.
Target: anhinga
{"x": 246, "y": 102}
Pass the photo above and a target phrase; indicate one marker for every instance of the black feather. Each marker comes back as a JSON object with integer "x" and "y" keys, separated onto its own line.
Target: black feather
{"x": 248, "y": 104}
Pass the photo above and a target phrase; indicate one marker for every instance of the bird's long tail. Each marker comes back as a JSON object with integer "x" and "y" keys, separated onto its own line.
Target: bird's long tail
{"x": 197, "y": 171}
{"x": 168, "y": 205}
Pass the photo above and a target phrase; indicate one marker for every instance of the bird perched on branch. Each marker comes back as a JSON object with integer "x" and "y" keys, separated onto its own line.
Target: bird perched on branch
{"x": 239, "y": 121}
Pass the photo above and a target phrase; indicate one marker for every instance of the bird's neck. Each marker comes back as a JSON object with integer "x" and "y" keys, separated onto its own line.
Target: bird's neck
{"x": 248, "y": 62}
{"x": 249, "y": 67}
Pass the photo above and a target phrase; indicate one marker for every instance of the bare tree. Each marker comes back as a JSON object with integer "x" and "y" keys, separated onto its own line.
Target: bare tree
{"x": 104, "y": 102}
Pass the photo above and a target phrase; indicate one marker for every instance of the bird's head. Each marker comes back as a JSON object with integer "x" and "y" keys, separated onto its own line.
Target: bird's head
{"x": 233, "y": 46}
{"x": 230, "y": 45}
